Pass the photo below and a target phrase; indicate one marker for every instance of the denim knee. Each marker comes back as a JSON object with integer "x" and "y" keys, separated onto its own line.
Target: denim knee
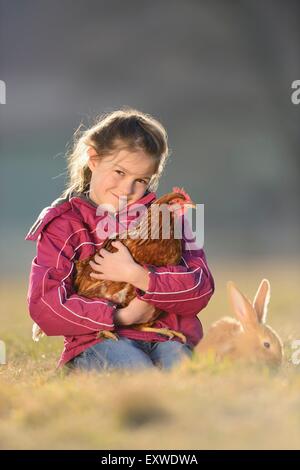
{"x": 110, "y": 354}
{"x": 168, "y": 353}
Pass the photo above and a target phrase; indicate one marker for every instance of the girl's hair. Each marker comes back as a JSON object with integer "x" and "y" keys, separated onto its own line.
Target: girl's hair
{"x": 125, "y": 128}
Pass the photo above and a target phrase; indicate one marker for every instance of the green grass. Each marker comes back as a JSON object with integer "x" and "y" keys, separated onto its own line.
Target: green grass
{"x": 198, "y": 405}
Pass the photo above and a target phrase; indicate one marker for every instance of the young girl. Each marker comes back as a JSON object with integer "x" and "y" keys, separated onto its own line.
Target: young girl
{"x": 123, "y": 155}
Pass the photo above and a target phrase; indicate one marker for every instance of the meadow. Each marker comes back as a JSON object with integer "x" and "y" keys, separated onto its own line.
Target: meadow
{"x": 197, "y": 405}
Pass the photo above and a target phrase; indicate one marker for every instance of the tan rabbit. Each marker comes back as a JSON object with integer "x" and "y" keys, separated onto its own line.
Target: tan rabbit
{"x": 247, "y": 338}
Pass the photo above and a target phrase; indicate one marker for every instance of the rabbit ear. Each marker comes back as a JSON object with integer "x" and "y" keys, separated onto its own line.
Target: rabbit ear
{"x": 242, "y": 307}
{"x": 261, "y": 300}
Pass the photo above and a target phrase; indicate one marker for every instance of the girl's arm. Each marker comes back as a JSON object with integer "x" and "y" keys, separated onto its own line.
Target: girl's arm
{"x": 184, "y": 289}
{"x": 53, "y": 305}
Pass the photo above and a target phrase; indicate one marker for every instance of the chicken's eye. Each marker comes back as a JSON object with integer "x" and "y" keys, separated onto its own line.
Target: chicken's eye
{"x": 267, "y": 344}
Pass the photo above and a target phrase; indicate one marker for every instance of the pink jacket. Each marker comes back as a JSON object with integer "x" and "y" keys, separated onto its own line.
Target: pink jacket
{"x": 66, "y": 231}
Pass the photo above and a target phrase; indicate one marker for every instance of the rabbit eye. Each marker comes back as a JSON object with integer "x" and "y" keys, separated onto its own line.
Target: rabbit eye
{"x": 266, "y": 344}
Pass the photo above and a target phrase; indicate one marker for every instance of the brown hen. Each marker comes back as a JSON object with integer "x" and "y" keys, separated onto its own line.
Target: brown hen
{"x": 145, "y": 249}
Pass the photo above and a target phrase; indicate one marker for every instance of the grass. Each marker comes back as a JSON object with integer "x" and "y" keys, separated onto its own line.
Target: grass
{"x": 198, "y": 405}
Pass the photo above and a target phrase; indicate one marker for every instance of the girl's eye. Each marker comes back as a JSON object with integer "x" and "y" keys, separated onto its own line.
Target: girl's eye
{"x": 120, "y": 172}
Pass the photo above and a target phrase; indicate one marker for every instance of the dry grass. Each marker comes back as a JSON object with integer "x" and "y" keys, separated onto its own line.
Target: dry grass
{"x": 198, "y": 405}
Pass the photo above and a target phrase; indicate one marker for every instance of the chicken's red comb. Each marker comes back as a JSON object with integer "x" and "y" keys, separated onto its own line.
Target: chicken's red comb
{"x": 181, "y": 191}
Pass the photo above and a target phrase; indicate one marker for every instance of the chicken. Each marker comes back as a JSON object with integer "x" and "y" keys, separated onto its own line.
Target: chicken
{"x": 148, "y": 244}
{"x": 144, "y": 249}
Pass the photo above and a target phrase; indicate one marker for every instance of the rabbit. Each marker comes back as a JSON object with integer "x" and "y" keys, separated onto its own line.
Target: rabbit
{"x": 248, "y": 338}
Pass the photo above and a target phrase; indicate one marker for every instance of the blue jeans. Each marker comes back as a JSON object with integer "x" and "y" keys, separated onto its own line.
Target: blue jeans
{"x": 130, "y": 354}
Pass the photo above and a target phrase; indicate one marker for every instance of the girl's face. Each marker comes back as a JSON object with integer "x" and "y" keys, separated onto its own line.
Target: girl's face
{"x": 125, "y": 173}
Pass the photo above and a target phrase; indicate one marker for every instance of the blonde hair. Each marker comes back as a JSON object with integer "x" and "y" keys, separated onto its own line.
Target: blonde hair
{"x": 125, "y": 128}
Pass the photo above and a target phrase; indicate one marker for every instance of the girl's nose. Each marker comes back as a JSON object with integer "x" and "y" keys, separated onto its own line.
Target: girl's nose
{"x": 127, "y": 188}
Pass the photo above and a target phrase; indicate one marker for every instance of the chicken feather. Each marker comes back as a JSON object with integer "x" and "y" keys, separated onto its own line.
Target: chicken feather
{"x": 145, "y": 251}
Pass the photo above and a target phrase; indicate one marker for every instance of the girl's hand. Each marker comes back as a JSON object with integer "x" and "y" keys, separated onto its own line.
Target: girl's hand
{"x": 136, "y": 312}
{"x": 119, "y": 267}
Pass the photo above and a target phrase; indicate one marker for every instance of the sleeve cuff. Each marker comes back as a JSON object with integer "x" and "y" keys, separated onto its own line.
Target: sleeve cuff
{"x": 109, "y": 315}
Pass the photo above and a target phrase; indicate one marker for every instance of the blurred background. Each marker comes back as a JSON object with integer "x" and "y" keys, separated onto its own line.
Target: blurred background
{"x": 217, "y": 74}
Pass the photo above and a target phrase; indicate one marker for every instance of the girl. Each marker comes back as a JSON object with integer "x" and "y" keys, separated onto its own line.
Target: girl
{"x": 122, "y": 155}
